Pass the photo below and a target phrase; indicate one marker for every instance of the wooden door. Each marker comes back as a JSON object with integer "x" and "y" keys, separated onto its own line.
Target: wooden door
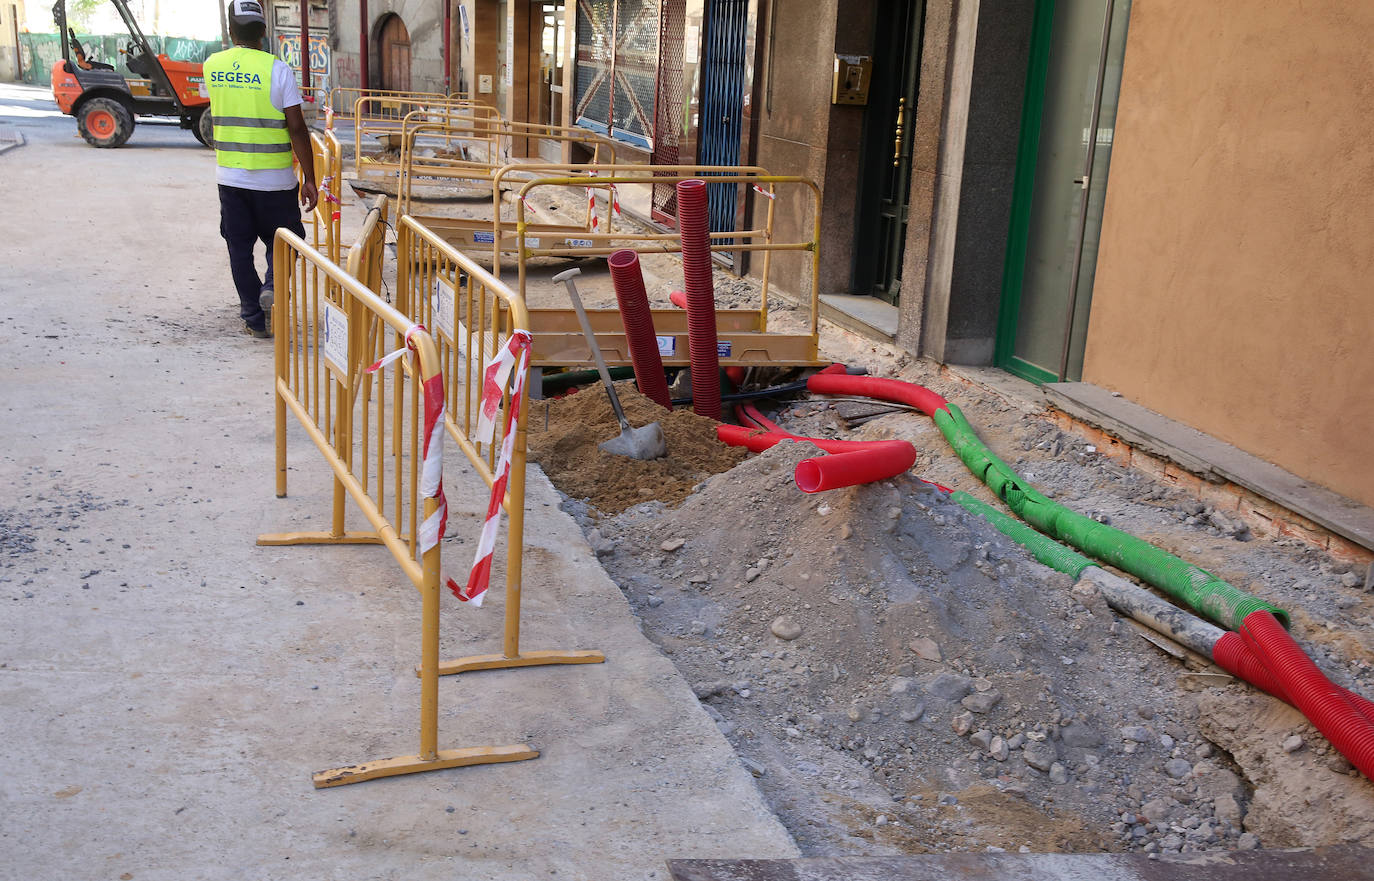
{"x": 394, "y": 48}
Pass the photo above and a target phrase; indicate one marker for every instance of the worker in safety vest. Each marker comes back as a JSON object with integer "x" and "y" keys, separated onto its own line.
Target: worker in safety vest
{"x": 256, "y": 106}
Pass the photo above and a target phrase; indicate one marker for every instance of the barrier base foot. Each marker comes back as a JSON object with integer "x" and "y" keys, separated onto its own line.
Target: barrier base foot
{"x": 446, "y": 758}
{"x": 274, "y": 539}
{"x": 524, "y": 659}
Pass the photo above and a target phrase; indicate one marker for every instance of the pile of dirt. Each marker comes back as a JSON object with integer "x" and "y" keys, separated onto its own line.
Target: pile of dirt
{"x": 900, "y": 677}
{"x": 567, "y": 449}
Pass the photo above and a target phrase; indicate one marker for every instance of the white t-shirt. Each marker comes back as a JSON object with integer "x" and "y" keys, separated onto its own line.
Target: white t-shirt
{"x": 284, "y": 93}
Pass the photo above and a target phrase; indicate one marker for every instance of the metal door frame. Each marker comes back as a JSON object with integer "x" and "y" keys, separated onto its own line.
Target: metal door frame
{"x": 1023, "y": 193}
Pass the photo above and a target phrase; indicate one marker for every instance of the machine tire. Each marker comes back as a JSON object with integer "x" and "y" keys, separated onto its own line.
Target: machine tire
{"x": 204, "y": 129}
{"x": 104, "y": 122}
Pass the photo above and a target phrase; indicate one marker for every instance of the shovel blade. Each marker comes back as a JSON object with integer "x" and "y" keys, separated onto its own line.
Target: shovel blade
{"x": 647, "y": 442}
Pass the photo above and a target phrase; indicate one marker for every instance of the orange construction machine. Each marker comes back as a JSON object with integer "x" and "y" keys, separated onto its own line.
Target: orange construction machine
{"x": 105, "y": 103}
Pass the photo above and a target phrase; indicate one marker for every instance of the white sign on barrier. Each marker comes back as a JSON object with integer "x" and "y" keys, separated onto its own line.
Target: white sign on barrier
{"x": 667, "y": 345}
{"x": 441, "y": 306}
{"x": 336, "y": 339}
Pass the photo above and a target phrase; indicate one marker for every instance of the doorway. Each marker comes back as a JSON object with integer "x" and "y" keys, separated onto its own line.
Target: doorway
{"x": 887, "y": 147}
{"x": 724, "y": 78}
{"x": 393, "y": 51}
{"x": 1067, "y": 124}
{"x": 548, "y": 44}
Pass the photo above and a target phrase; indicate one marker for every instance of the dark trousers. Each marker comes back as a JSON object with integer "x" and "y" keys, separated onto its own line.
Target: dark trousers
{"x": 247, "y": 217}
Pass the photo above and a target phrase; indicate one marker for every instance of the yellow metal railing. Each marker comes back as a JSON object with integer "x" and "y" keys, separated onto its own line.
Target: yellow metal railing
{"x": 743, "y": 333}
{"x": 382, "y": 120}
{"x": 326, "y": 221}
{"x": 371, "y": 430}
{"x": 472, "y": 316}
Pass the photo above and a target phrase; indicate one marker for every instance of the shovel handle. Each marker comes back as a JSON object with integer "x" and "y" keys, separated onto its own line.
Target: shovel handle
{"x": 567, "y": 279}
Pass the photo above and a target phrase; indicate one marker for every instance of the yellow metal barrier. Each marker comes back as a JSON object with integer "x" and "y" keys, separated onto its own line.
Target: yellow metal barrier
{"x": 326, "y": 221}
{"x": 472, "y": 316}
{"x": 742, "y": 333}
{"x": 371, "y": 437}
{"x": 482, "y": 164}
{"x": 381, "y": 120}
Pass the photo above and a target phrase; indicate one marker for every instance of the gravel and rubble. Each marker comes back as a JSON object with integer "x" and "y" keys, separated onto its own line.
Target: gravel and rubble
{"x": 901, "y": 678}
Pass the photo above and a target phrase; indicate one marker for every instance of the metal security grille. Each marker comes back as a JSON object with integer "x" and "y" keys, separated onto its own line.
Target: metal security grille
{"x": 592, "y": 83}
{"x": 617, "y": 67}
{"x": 722, "y": 102}
{"x": 668, "y": 123}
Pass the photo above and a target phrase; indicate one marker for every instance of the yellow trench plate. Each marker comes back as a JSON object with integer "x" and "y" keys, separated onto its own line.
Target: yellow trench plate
{"x": 447, "y": 758}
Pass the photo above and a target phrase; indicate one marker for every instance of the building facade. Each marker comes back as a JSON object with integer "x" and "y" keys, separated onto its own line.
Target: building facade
{"x": 1161, "y": 198}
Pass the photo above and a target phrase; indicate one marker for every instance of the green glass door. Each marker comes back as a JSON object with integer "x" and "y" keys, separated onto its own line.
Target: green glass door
{"x": 1077, "y": 48}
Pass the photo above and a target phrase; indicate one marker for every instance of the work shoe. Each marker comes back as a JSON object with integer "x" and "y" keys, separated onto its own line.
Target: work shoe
{"x": 266, "y": 298}
{"x": 256, "y": 333}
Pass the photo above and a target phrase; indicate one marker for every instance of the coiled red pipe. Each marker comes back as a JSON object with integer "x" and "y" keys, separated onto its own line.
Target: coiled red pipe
{"x": 1319, "y": 699}
{"x": 628, "y": 279}
{"x": 694, "y": 225}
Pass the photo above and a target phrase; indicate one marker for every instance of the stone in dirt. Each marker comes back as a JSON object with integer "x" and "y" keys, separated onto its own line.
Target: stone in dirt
{"x": 961, "y": 723}
{"x": 1059, "y": 775}
{"x": 983, "y": 702}
{"x": 1177, "y": 768}
{"x": 1136, "y": 734}
{"x": 1293, "y": 743}
{"x": 784, "y": 627}
{"x": 926, "y": 649}
{"x": 672, "y": 544}
{"x": 1040, "y": 754}
{"x": 949, "y": 686}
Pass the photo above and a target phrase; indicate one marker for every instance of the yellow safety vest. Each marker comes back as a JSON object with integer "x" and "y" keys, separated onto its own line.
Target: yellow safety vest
{"x": 249, "y": 131}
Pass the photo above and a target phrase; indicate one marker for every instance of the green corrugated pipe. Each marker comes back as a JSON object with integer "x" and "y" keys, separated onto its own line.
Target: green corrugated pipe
{"x": 1043, "y": 548}
{"x": 1198, "y": 588}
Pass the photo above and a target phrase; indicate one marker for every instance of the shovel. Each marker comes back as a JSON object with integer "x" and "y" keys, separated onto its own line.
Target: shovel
{"x": 637, "y": 443}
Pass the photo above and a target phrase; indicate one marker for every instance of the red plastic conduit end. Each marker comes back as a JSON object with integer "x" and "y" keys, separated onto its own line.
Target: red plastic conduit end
{"x": 883, "y": 459}
{"x": 639, "y": 326}
{"x": 678, "y": 299}
{"x": 694, "y": 225}
{"x": 1321, "y": 701}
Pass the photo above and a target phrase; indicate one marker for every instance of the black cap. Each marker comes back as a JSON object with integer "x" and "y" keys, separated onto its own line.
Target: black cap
{"x": 246, "y": 12}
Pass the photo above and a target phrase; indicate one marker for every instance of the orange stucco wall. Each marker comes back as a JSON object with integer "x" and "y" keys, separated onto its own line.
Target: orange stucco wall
{"x": 1235, "y": 284}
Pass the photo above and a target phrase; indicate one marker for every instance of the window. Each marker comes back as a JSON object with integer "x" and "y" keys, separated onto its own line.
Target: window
{"x": 616, "y": 79}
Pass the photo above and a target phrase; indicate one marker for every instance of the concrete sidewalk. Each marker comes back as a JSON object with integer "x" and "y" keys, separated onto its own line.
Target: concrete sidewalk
{"x": 167, "y": 687}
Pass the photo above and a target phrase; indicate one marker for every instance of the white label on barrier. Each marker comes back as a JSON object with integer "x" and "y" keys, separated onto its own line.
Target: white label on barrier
{"x": 723, "y": 349}
{"x": 336, "y": 338}
{"x": 580, "y": 243}
{"x": 484, "y": 238}
{"x": 532, "y": 243}
{"x": 441, "y": 307}
{"x": 667, "y": 345}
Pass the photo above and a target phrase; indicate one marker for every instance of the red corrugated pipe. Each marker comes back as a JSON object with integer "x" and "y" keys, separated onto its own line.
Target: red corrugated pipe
{"x": 894, "y": 390}
{"x": 694, "y": 225}
{"x": 1235, "y": 657}
{"x": 1323, "y": 703}
{"x": 850, "y": 463}
{"x": 628, "y": 279}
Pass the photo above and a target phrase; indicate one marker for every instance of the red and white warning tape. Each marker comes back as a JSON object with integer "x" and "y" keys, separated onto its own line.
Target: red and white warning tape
{"x": 514, "y": 357}
{"x": 759, "y": 189}
{"x": 432, "y": 467}
{"x": 330, "y": 197}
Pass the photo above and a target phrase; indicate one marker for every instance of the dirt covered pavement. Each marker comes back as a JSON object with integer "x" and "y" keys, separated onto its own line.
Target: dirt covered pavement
{"x": 901, "y": 678}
